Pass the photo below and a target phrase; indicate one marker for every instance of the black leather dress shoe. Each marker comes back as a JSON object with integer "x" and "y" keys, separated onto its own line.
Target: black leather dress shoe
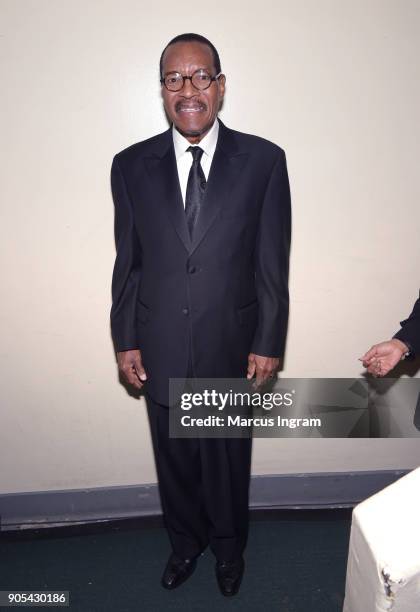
{"x": 177, "y": 571}
{"x": 229, "y": 575}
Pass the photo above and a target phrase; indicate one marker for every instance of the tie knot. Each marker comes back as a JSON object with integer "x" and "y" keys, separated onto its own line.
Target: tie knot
{"x": 196, "y": 152}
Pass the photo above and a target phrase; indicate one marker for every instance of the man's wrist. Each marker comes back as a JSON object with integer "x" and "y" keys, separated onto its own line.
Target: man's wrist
{"x": 403, "y": 346}
{"x": 409, "y": 352}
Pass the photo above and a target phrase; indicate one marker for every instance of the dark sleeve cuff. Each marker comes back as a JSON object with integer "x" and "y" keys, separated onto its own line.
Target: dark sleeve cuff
{"x": 411, "y": 354}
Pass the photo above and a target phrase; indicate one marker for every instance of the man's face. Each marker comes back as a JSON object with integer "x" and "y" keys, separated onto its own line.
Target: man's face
{"x": 192, "y": 111}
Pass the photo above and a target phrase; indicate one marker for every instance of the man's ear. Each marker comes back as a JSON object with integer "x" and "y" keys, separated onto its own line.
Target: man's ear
{"x": 222, "y": 85}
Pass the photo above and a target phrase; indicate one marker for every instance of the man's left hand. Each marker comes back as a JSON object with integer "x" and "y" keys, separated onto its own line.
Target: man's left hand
{"x": 263, "y": 368}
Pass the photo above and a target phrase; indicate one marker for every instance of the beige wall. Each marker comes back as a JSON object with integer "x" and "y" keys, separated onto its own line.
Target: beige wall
{"x": 333, "y": 82}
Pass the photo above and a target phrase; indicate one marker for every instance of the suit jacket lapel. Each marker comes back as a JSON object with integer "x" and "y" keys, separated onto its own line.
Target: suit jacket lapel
{"x": 228, "y": 161}
{"x": 164, "y": 174}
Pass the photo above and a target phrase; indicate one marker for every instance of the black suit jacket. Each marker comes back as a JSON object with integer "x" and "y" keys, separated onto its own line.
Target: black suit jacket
{"x": 410, "y": 329}
{"x": 227, "y": 290}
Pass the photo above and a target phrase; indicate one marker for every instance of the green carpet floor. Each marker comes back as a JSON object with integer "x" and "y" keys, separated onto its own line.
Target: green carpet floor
{"x": 295, "y": 562}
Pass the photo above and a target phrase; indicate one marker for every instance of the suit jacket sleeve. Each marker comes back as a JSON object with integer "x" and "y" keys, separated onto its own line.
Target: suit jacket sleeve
{"x": 127, "y": 268}
{"x": 410, "y": 329}
{"x": 272, "y": 264}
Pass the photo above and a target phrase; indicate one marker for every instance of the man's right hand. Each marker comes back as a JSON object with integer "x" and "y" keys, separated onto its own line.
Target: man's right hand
{"x": 131, "y": 367}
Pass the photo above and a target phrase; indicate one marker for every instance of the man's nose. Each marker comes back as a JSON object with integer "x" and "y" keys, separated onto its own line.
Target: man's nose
{"x": 188, "y": 90}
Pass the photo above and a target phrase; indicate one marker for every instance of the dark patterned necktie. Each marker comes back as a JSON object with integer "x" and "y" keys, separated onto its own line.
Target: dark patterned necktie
{"x": 195, "y": 189}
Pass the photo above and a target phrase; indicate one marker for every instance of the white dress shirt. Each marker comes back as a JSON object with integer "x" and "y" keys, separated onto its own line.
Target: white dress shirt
{"x": 184, "y": 158}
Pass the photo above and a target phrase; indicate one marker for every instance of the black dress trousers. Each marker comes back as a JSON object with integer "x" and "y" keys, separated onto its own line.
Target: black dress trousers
{"x": 203, "y": 486}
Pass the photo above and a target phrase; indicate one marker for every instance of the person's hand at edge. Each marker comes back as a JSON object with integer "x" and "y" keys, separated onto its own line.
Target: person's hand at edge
{"x": 383, "y": 357}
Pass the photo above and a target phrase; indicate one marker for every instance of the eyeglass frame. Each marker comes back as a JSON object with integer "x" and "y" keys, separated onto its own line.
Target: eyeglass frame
{"x": 212, "y": 78}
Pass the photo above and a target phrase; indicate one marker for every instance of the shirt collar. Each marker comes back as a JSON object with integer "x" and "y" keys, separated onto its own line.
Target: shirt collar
{"x": 208, "y": 143}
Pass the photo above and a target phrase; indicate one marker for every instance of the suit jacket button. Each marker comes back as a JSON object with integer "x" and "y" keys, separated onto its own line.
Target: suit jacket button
{"x": 192, "y": 270}
{"x": 185, "y": 311}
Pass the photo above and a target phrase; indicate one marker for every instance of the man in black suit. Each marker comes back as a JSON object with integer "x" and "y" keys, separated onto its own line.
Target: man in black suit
{"x": 383, "y": 357}
{"x": 200, "y": 289}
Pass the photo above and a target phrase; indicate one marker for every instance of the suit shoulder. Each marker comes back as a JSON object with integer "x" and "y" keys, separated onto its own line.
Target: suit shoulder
{"x": 258, "y": 142}
{"x": 142, "y": 148}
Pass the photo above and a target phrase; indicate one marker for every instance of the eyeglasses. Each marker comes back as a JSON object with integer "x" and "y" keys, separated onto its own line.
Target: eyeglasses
{"x": 200, "y": 79}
